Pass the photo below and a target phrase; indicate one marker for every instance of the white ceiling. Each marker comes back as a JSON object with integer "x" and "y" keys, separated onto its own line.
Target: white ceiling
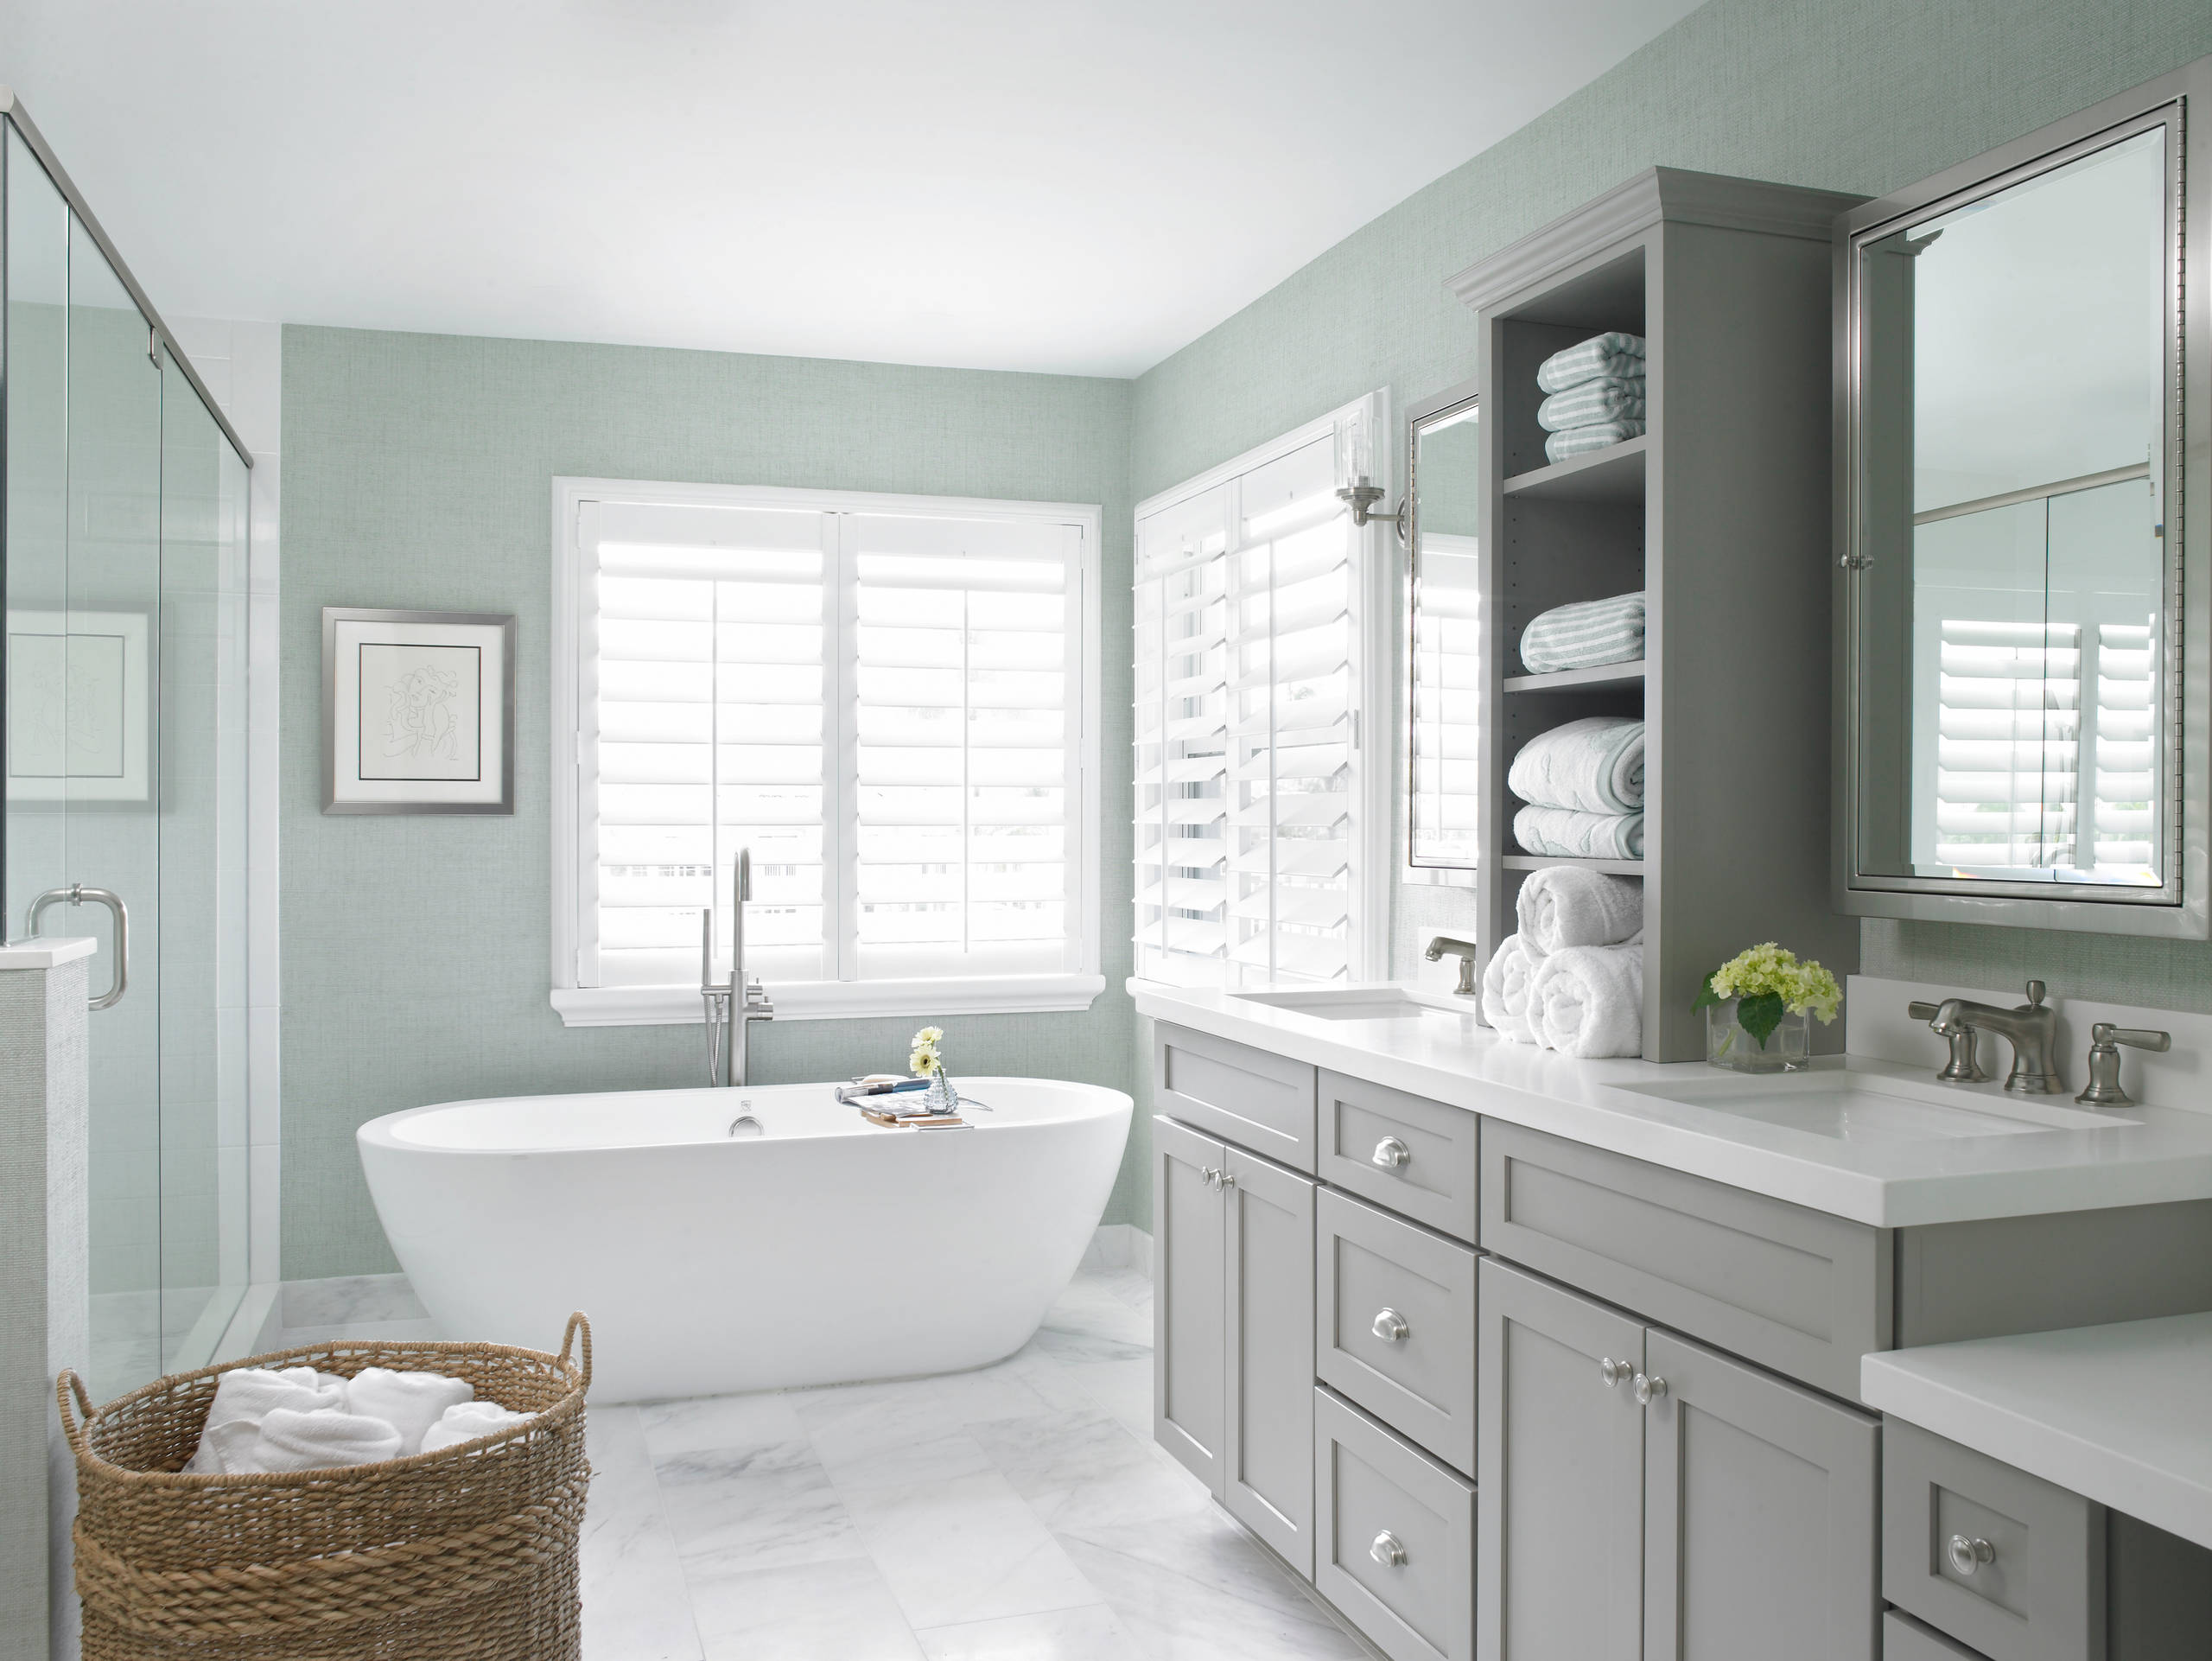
{"x": 1005, "y": 184}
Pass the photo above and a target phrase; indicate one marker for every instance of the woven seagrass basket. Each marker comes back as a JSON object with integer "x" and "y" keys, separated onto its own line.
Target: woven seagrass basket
{"x": 467, "y": 1554}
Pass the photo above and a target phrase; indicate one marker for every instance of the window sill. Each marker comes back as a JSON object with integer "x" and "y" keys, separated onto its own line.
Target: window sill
{"x": 680, "y": 1006}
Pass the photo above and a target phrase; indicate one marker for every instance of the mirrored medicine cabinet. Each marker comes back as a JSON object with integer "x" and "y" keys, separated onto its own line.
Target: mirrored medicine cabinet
{"x": 1442, "y": 525}
{"x": 2021, "y": 579}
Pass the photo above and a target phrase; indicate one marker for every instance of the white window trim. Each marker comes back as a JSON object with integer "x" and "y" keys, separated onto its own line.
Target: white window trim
{"x": 657, "y": 1006}
{"x": 1363, "y": 421}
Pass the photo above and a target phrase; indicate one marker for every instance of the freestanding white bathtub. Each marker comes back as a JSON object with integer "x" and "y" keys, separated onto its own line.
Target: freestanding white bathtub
{"x": 823, "y": 1249}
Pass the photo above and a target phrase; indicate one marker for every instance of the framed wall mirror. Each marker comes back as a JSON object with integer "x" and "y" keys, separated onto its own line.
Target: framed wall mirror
{"x": 1443, "y": 527}
{"x": 2017, "y": 573}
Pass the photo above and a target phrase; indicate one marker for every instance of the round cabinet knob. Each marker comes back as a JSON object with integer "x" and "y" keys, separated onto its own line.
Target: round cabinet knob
{"x": 1209, "y": 1176}
{"x": 1966, "y": 1555}
{"x": 1388, "y": 1550}
{"x": 1649, "y": 1389}
{"x": 1614, "y": 1372}
{"x": 1390, "y": 1325}
{"x": 1226, "y": 1179}
{"x": 1391, "y": 1152}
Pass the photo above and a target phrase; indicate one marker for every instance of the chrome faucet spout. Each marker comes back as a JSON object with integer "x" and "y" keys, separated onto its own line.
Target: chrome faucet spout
{"x": 2031, "y": 1029}
{"x": 1465, "y": 952}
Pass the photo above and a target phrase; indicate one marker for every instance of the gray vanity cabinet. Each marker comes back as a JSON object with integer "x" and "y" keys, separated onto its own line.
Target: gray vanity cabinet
{"x": 1233, "y": 1328}
{"x": 1709, "y": 1512}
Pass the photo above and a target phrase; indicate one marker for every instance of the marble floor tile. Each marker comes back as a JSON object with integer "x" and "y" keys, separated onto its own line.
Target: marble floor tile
{"x": 890, "y": 1436}
{"x": 965, "y": 1550}
{"x": 1086, "y": 1469}
{"x": 1094, "y": 1633}
{"x": 760, "y": 1420}
{"x": 810, "y": 1611}
{"x": 758, "y": 1508}
{"x": 637, "y": 1603}
{"x": 1122, "y": 1388}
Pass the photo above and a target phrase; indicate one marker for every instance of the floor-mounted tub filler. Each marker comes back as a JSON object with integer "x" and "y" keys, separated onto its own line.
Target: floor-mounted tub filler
{"x": 821, "y": 1249}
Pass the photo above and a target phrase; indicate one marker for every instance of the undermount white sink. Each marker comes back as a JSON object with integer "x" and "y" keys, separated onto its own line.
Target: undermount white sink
{"x": 1862, "y": 1107}
{"x": 1355, "y": 1003}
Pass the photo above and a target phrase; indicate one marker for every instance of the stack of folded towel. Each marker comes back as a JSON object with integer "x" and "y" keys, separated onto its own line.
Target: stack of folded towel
{"x": 1583, "y": 783}
{"x": 302, "y": 1420}
{"x": 1597, "y": 395}
{"x": 1571, "y": 977}
{"x": 1585, "y": 634}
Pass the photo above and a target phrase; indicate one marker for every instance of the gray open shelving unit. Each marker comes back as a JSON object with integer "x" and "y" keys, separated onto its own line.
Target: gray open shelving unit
{"x": 1720, "y": 514}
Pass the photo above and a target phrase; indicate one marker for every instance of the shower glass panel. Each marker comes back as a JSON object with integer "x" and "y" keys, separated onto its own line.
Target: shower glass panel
{"x": 125, "y": 722}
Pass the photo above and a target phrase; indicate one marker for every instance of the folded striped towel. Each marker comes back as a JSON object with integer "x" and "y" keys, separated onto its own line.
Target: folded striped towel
{"x": 1602, "y": 354}
{"x": 1607, "y": 398}
{"x": 1592, "y": 765}
{"x": 1603, "y": 434}
{"x": 1585, "y": 634}
{"x": 1562, "y": 833}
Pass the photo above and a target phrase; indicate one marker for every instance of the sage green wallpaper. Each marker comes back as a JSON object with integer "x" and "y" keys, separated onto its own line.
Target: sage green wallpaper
{"x": 416, "y": 472}
{"x": 1859, "y": 95}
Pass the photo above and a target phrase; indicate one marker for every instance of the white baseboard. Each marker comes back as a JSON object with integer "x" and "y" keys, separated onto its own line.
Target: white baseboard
{"x": 1120, "y": 1245}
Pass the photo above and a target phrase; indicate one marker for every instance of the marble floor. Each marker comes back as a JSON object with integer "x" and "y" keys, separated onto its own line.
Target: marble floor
{"x": 1017, "y": 1513}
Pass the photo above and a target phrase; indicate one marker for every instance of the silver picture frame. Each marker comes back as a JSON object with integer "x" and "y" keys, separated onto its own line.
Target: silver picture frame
{"x": 348, "y": 635}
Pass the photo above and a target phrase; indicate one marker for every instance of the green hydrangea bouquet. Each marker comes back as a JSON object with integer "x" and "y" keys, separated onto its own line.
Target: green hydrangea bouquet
{"x": 1767, "y": 983}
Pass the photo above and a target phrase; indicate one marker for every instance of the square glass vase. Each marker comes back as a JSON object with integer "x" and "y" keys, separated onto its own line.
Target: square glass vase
{"x": 1789, "y": 1047}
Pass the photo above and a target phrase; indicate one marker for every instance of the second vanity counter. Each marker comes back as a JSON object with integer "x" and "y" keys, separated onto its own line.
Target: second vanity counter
{"x": 1882, "y": 1176}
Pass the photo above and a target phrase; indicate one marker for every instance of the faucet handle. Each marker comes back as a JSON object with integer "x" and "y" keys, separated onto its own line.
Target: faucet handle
{"x": 1965, "y": 1064}
{"x": 2139, "y": 1038}
{"x": 2105, "y": 1039}
{"x": 1920, "y": 1009}
{"x": 2035, "y": 993}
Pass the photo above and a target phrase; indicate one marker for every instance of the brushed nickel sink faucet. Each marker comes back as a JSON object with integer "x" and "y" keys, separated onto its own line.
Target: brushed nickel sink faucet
{"x": 1465, "y": 952}
{"x": 2105, "y": 1039}
{"x": 2032, "y": 1027}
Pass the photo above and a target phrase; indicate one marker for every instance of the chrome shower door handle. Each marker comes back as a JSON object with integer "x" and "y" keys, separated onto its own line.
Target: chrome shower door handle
{"x": 76, "y": 893}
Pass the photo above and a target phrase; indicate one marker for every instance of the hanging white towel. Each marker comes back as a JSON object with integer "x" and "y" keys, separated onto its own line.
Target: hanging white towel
{"x": 323, "y": 1440}
{"x": 1562, "y": 907}
{"x": 409, "y": 1401}
{"x": 1588, "y": 1001}
{"x": 1508, "y": 979}
{"x": 246, "y": 1395}
{"x": 1562, "y": 833}
{"x": 468, "y": 1421}
{"x": 1592, "y": 765}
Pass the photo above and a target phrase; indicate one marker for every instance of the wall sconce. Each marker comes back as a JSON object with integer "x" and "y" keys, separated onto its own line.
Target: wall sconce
{"x": 1361, "y": 497}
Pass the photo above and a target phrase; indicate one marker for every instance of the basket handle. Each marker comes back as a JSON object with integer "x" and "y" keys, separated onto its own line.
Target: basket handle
{"x": 66, "y": 1386}
{"x": 578, "y": 1325}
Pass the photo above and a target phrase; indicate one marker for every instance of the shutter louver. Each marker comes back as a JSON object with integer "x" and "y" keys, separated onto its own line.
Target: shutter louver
{"x": 1446, "y": 679}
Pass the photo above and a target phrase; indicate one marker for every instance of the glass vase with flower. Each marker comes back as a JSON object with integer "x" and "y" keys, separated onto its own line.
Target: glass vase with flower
{"x": 1759, "y": 1007}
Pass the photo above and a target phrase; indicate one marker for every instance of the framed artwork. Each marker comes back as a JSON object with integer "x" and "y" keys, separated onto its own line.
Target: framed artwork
{"x": 418, "y": 711}
{"x": 80, "y": 707}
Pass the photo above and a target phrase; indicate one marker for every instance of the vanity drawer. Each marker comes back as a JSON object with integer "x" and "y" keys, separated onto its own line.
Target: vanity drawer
{"x": 1405, "y": 1152}
{"x": 2004, "y": 1561}
{"x": 1796, "y": 1291}
{"x": 1904, "y": 1638}
{"x": 1376, "y": 1275}
{"x": 1259, "y": 1101}
{"x": 1396, "y": 1546}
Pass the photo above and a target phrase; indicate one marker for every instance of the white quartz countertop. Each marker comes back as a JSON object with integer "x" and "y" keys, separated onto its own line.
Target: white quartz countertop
{"x": 2119, "y": 1413}
{"x": 2145, "y": 1154}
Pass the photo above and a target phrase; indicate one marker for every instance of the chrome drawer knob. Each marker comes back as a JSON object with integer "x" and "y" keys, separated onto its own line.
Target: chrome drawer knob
{"x": 1390, "y": 1325}
{"x": 1226, "y": 1179}
{"x": 1649, "y": 1389}
{"x": 1209, "y": 1176}
{"x": 1614, "y": 1372}
{"x": 1391, "y": 1152}
{"x": 1387, "y": 1551}
{"x": 1966, "y": 1555}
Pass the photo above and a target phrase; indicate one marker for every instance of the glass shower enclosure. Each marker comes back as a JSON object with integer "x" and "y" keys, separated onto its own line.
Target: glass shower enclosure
{"x": 122, "y": 530}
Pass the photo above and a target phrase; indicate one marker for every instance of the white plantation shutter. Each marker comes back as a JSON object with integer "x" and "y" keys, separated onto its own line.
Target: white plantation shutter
{"x": 887, "y": 708}
{"x": 1251, "y": 789}
{"x": 1446, "y": 679}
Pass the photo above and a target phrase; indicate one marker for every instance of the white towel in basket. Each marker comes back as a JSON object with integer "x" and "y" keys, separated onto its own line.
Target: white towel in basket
{"x": 468, "y": 1421}
{"x": 246, "y": 1395}
{"x": 411, "y": 1402}
{"x": 321, "y": 1439}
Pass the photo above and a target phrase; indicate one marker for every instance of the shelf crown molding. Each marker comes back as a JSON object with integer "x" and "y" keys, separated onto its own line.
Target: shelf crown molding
{"x": 1673, "y": 194}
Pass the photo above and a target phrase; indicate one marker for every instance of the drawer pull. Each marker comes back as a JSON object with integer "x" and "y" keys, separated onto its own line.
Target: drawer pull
{"x": 1391, "y": 1152}
{"x": 1215, "y": 1178}
{"x": 1649, "y": 1389}
{"x": 1387, "y": 1551}
{"x": 1614, "y": 1372}
{"x": 1966, "y": 1555}
{"x": 1390, "y": 1325}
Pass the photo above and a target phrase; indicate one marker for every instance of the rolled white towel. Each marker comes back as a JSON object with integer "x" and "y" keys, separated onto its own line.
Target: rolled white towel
{"x": 409, "y": 1401}
{"x": 1592, "y": 765}
{"x": 468, "y": 1421}
{"x": 1563, "y": 906}
{"x": 1588, "y": 1001}
{"x": 246, "y": 1396}
{"x": 1508, "y": 979}
{"x": 323, "y": 1440}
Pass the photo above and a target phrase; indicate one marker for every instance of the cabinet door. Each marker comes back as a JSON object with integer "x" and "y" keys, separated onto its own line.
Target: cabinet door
{"x": 1188, "y": 1299}
{"x": 1560, "y": 1509}
{"x": 1268, "y": 1449}
{"x": 1761, "y": 1519}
